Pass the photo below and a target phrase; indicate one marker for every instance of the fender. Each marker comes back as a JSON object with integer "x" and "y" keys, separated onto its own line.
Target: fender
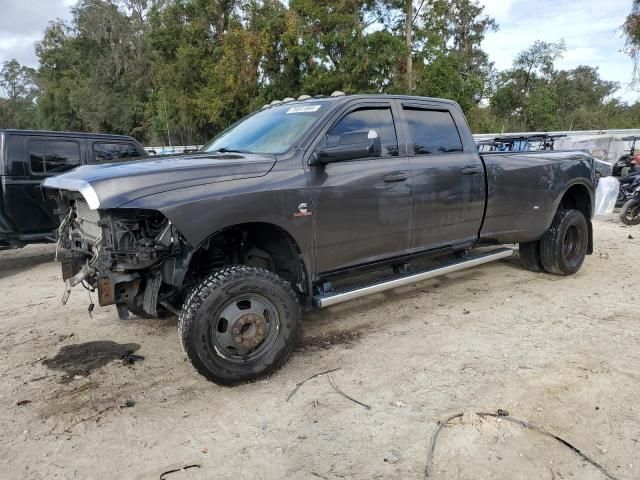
{"x": 198, "y": 213}
{"x": 589, "y": 207}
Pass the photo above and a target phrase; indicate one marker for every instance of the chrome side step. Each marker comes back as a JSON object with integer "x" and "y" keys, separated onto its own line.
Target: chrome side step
{"x": 334, "y": 298}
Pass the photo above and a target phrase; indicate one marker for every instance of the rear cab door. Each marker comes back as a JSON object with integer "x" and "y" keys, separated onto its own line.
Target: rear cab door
{"x": 448, "y": 175}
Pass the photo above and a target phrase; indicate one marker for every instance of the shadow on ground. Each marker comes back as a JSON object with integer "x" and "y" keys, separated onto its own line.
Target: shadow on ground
{"x": 13, "y": 262}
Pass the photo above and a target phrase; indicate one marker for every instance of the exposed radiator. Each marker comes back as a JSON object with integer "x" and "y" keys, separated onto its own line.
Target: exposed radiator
{"x": 85, "y": 213}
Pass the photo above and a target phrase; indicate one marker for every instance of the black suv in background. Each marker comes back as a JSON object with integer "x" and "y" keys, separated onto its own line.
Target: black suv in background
{"x": 27, "y": 157}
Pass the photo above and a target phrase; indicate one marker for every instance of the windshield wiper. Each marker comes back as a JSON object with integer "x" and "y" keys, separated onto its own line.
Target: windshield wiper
{"x": 231, "y": 150}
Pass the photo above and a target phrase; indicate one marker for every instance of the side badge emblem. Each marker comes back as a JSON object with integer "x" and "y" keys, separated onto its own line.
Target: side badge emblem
{"x": 303, "y": 211}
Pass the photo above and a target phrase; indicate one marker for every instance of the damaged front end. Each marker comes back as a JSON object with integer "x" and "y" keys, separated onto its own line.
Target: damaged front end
{"x": 134, "y": 259}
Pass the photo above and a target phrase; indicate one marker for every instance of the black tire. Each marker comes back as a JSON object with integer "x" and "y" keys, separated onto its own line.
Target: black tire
{"x": 630, "y": 213}
{"x": 564, "y": 246}
{"x": 217, "y": 346}
{"x": 530, "y": 256}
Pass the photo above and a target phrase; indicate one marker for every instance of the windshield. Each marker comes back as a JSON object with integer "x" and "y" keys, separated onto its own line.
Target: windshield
{"x": 270, "y": 131}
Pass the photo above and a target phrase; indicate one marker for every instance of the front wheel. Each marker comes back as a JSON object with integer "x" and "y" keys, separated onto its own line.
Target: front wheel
{"x": 239, "y": 324}
{"x": 564, "y": 246}
{"x": 630, "y": 213}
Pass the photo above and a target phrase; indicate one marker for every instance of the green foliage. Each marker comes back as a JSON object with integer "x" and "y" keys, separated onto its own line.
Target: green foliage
{"x": 452, "y": 62}
{"x": 17, "y": 104}
{"x": 534, "y": 96}
{"x": 631, "y": 29}
{"x": 179, "y": 71}
{"x": 94, "y": 73}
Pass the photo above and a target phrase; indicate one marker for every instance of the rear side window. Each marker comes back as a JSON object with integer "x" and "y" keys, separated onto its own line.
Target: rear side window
{"x": 112, "y": 152}
{"x": 378, "y": 119}
{"x": 432, "y": 132}
{"x": 53, "y": 157}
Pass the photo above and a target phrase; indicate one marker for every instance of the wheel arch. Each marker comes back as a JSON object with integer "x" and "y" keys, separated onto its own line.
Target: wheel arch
{"x": 578, "y": 196}
{"x": 258, "y": 243}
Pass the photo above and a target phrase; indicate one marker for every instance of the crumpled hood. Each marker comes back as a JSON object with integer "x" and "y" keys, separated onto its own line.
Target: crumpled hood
{"x": 114, "y": 184}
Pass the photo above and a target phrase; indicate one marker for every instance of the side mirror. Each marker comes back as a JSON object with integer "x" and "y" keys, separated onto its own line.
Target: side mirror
{"x": 351, "y": 146}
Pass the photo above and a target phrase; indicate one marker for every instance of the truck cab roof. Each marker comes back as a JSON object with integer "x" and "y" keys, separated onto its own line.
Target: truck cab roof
{"x": 340, "y": 99}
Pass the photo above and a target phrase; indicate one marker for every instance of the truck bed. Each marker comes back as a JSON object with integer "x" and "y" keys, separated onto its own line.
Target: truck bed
{"x": 524, "y": 190}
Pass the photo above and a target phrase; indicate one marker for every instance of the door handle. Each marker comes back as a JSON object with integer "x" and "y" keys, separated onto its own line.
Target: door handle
{"x": 471, "y": 170}
{"x": 395, "y": 177}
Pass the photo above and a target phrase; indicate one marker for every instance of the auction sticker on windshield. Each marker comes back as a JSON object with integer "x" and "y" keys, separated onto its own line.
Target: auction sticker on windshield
{"x": 304, "y": 109}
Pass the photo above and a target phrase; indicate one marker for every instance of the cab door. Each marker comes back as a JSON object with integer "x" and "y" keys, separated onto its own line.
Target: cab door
{"x": 362, "y": 208}
{"x": 448, "y": 179}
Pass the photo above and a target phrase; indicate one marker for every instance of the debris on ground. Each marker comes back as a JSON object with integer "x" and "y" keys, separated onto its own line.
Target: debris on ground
{"x": 393, "y": 457}
{"x": 337, "y": 389}
{"x": 22, "y": 402}
{"x": 471, "y": 418}
{"x": 128, "y": 404}
{"x": 298, "y": 385}
{"x": 131, "y": 358}
{"x": 503, "y": 414}
{"x": 181, "y": 469}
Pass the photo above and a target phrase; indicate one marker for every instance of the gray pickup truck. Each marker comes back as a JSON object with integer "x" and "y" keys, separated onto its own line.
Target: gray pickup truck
{"x": 291, "y": 207}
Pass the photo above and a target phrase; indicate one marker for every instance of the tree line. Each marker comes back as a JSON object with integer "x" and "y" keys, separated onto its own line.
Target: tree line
{"x": 179, "y": 71}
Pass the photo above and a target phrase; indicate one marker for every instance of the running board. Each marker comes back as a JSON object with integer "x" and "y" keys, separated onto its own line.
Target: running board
{"x": 340, "y": 296}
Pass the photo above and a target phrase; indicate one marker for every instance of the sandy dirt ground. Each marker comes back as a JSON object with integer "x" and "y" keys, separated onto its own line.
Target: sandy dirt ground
{"x": 562, "y": 353}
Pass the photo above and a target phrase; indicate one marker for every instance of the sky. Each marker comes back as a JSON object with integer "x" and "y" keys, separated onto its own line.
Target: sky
{"x": 22, "y": 24}
{"x": 590, "y": 29}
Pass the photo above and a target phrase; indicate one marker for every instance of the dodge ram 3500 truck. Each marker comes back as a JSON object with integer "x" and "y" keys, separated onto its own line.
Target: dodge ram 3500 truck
{"x": 282, "y": 208}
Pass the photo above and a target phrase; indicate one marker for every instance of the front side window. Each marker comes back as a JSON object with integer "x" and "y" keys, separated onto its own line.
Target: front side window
{"x": 53, "y": 157}
{"x": 378, "y": 119}
{"x": 432, "y": 132}
{"x": 112, "y": 152}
